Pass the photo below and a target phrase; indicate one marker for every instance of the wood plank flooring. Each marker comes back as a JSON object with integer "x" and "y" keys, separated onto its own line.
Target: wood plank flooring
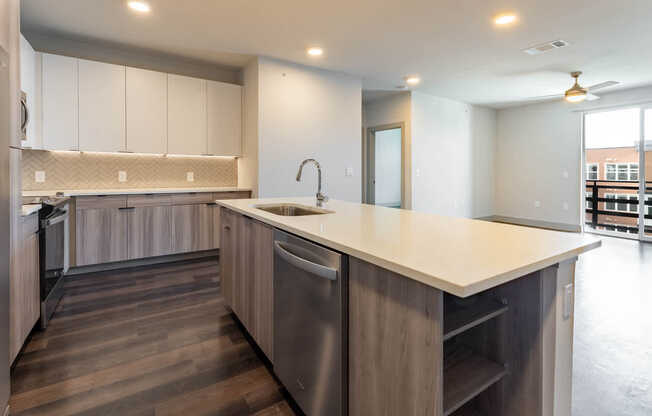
{"x": 153, "y": 340}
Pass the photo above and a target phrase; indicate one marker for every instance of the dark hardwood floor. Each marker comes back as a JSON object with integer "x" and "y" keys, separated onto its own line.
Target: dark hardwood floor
{"x": 154, "y": 340}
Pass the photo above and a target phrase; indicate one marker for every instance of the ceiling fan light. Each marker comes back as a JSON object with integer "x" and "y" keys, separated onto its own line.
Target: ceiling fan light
{"x": 576, "y": 94}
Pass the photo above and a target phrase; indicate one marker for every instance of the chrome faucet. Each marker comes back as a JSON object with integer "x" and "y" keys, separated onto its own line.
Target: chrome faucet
{"x": 321, "y": 198}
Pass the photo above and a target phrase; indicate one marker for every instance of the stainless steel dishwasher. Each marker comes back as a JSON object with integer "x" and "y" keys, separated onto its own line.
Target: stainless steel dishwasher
{"x": 310, "y": 326}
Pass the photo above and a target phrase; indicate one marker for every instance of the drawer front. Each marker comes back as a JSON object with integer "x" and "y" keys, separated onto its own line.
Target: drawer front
{"x": 101, "y": 201}
{"x": 149, "y": 200}
{"x": 192, "y": 198}
{"x": 232, "y": 195}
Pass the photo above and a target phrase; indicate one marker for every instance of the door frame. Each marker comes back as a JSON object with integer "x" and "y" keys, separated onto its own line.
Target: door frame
{"x": 368, "y": 161}
{"x": 642, "y": 176}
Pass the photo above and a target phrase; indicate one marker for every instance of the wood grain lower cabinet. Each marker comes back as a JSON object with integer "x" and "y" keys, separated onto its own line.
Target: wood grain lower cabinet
{"x": 101, "y": 235}
{"x": 192, "y": 228}
{"x": 24, "y": 289}
{"x": 247, "y": 275}
{"x": 150, "y": 231}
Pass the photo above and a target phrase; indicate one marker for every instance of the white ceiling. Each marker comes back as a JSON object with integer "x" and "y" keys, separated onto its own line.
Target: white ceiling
{"x": 452, "y": 44}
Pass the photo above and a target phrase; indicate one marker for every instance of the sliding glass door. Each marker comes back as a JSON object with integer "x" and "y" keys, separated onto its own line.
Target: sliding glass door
{"x": 645, "y": 194}
{"x": 618, "y": 182}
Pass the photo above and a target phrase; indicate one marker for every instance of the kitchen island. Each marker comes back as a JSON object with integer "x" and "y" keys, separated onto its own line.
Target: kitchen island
{"x": 446, "y": 316}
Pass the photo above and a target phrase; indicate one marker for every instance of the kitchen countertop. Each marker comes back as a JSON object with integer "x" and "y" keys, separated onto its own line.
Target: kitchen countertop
{"x": 135, "y": 191}
{"x": 457, "y": 255}
{"x": 29, "y": 209}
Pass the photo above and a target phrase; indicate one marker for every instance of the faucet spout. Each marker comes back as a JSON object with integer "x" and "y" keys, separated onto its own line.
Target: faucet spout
{"x": 320, "y": 197}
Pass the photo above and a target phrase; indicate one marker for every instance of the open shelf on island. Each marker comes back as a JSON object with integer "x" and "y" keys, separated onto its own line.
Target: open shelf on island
{"x": 467, "y": 411}
{"x": 466, "y": 375}
{"x": 458, "y": 319}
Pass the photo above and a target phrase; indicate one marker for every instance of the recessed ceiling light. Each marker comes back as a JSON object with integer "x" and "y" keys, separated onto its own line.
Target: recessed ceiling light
{"x": 505, "y": 19}
{"x": 139, "y": 6}
{"x": 315, "y": 51}
{"x": 412, "y": 80}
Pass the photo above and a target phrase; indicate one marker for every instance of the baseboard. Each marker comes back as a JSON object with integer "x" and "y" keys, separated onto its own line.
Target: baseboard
{"x": 141, "y": 262}
{"x": 556, "y": 226}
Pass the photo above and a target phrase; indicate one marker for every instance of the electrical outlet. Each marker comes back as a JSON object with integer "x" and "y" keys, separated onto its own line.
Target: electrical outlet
{"x": 565, "y": 206}
{"x": 190, "y": 176}
{"x": 39, "y": 176}
{"x": 122, "y": 176}
{"x": 565, "y": 174}
{"x": 568, "y": 301}
{"x": 348, "y": 171}
{"x": 537, "y": 204}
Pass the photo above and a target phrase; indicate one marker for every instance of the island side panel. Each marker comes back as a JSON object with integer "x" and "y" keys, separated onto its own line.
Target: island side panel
{"x": 395, "y": 344}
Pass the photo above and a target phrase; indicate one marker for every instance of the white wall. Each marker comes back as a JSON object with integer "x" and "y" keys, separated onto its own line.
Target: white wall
{"x": 536, "y": 144}
{"x": 307, "y": 112}
{"x": 452, "y": 146}
{"x": 248, "y": 163}
{"x": 391, "y": 110}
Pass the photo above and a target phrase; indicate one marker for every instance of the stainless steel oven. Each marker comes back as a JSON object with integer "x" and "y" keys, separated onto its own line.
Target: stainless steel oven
{"x": 52, "y": 239}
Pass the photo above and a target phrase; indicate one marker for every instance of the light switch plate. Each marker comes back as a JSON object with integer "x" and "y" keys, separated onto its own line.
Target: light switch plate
{"x": 122, "y": 176}
{"x": 39, "y": 176}
{"x": 565, "y": 206}
{"x": 190, "y": 176}
{"x": 348, "y": 171}
{"x": 537, "y": 204}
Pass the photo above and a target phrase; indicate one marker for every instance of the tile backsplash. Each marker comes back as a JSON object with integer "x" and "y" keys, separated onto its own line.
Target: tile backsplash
{"x": 75, "y": 170}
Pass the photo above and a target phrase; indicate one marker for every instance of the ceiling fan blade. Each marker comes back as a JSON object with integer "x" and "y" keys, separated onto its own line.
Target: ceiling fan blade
{"x": 602, "y": 85}
{"x": 591, "y": 97}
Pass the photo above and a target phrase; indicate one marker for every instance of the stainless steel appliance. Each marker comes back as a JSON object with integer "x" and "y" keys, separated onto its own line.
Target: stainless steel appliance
{"x": 310, "y": 326}
{"x": 24, "y": 116}
{"x": 4, "y": 221}
{"x": 52, "y": 243}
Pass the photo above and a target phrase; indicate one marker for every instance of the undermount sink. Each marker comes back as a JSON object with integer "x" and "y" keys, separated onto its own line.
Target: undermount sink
{"x": 292, "y": 210}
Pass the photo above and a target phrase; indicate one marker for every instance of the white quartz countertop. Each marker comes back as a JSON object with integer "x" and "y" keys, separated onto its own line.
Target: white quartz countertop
{"x": 457, "y": 255}
{"x": 134, "y": 191}
{"x": 29, "y": 209}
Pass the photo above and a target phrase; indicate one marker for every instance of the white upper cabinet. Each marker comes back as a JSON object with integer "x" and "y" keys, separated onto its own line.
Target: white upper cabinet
{"x": 186, "y": 115}
{"x": 31, "y": 87}
{"x": 60, "y": 105}
{"x": 101, "y": 107}
{"x": 147, "y": 108}
{"x": 224, "y": 106}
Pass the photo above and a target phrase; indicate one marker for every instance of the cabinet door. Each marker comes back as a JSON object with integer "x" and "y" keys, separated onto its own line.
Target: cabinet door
{"x": 224, "y": 107}
{"x": 60, "y": 102}
{"x": 101, "y": 235}
{"x": 25, "y": 298}
{"x": 150, "y": 231}
{"x": 260, "y": 283}
{"x": 217, "y": 228}
{"x": 191, "y": 228}
{"x": 227, "y": 255}
{"x": 101, "y": 107}
{"x": 186, "y": 115}
{"x": 147, "y": 95}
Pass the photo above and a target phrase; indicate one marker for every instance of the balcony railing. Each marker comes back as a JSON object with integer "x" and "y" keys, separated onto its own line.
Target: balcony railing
{"x": 594, "y": 186}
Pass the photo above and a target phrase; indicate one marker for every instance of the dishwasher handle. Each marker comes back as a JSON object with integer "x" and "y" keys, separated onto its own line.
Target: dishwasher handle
{"x": 305, "y": 265}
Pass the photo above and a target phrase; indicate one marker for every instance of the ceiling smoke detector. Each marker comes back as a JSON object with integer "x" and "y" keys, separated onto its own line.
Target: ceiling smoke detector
{"x": 546, "y": 47}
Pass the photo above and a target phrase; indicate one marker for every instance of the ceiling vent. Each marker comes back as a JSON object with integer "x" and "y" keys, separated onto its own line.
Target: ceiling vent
{"x": 546, "y": 47}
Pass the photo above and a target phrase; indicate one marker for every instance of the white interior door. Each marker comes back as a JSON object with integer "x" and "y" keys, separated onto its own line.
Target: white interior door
{"x": 385, "y": 167}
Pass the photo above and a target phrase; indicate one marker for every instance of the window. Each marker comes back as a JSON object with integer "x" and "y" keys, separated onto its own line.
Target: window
{"x": 610, "y": 206}
{"x": 633, "y": 171}
{"x": 592, "y": 172}
{"x": 621, "y": 171}
{"x": 633, "y": 207}
{"x": 648, "y": 208}
{"x": 589, "y": 204}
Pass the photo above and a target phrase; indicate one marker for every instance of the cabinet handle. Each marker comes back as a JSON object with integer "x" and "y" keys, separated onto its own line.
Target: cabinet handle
{"x": 227, "y": 228}
{"x": 211, "y": 204}
{"x": 126, "y": 208}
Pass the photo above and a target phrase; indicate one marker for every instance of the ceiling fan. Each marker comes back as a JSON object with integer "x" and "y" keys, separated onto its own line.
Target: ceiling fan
{"x": 577, "y": 93}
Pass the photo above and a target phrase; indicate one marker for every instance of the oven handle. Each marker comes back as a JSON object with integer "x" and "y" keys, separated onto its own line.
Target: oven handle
{"x": 55, "y": 220}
